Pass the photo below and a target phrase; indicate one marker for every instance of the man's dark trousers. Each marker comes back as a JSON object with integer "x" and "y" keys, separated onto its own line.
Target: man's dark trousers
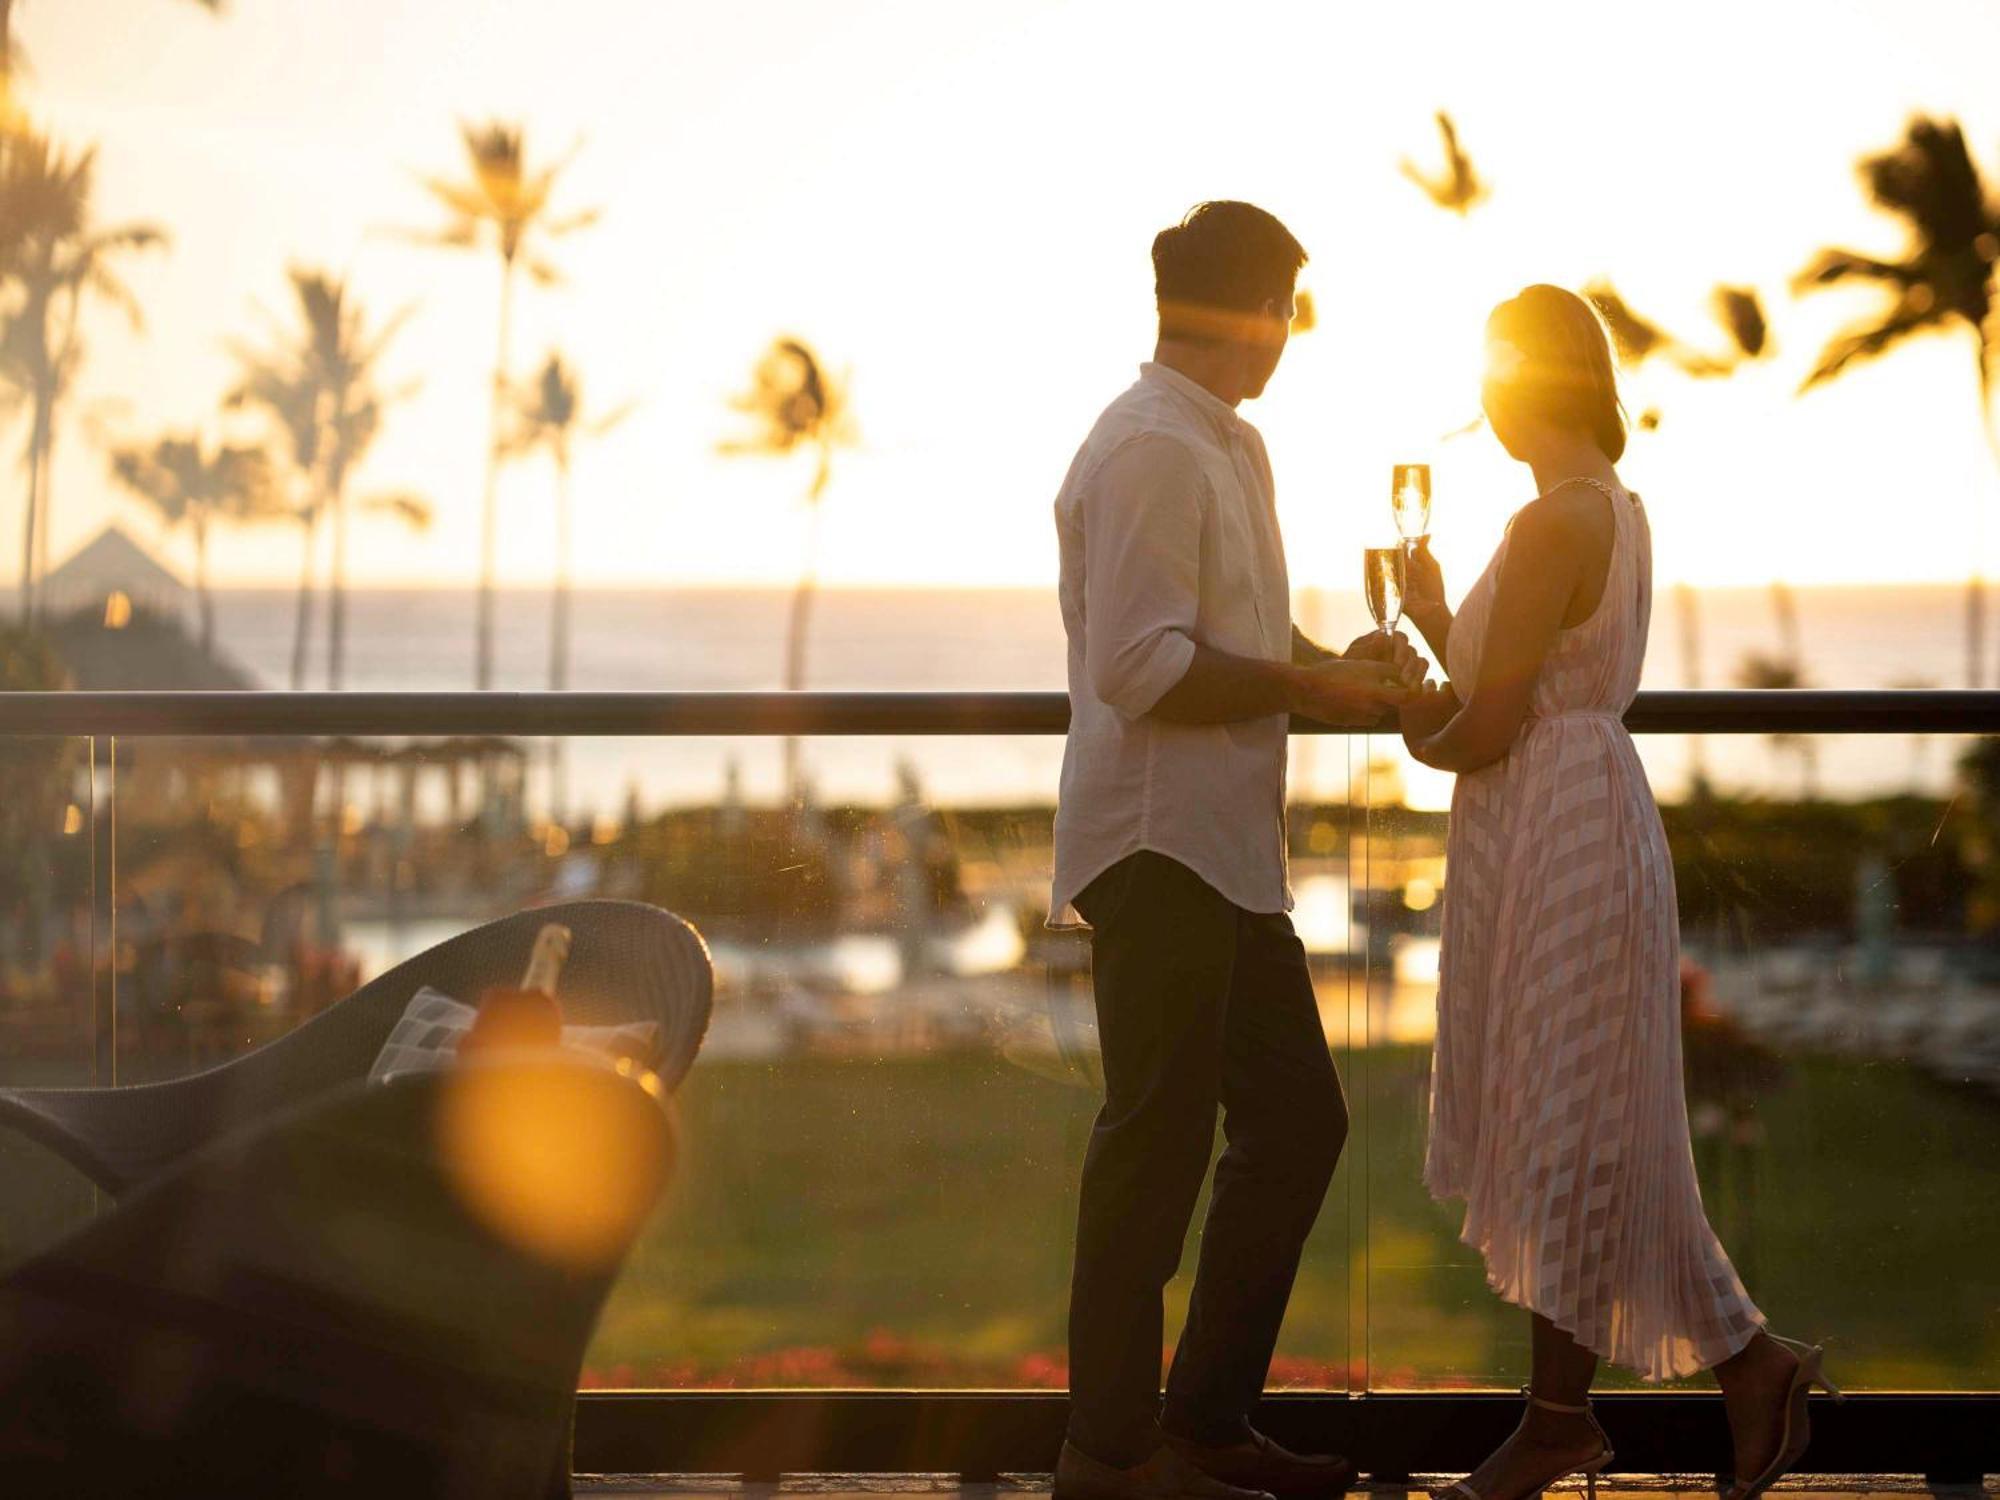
{"x": 1199, "y": 1003}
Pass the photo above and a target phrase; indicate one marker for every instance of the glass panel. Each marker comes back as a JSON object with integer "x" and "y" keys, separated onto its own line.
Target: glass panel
{"x": 886, "y": 1126}
{"x": 55, "y": 1018}
{"x": 1841, "y": 1013}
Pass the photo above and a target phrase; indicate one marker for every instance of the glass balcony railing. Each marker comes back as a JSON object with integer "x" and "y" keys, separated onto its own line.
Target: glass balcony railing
{"x": 887, "y": 1120}
{"x": 1841, "y": 1038}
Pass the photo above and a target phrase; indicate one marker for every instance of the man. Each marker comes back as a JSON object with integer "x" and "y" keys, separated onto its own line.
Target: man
{"x": 1170, "y": 843}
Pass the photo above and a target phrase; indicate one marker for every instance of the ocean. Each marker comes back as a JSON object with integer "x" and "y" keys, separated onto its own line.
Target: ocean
{"x": 1011, "y": 639}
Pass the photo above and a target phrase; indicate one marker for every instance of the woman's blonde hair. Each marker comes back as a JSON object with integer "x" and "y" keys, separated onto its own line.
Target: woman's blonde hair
{"x": 1559, "y": 366}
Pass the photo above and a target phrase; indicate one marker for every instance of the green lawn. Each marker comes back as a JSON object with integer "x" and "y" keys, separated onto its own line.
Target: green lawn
{"x": 908, "y": 1221}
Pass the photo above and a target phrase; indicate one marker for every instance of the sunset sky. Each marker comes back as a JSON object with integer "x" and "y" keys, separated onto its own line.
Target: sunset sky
{"x": 954, "y": 202}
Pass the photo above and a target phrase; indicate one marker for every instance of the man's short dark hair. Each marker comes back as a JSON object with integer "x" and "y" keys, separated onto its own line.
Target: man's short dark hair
{"x": 1224, "y": 257}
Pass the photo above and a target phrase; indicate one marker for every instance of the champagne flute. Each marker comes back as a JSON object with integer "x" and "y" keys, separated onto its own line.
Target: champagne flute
{"x": 1382, "y": 573}
{"x": 1410, "y": 499}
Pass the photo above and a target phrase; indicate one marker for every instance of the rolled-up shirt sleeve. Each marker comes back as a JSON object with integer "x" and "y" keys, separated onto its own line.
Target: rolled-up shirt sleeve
{"x": 1142, "y": 571}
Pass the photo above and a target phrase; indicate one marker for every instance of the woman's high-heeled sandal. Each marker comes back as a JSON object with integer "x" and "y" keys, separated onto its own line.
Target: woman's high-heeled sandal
{"x": 1798, "y": 1423}
{"x": 1589, "y": 1469}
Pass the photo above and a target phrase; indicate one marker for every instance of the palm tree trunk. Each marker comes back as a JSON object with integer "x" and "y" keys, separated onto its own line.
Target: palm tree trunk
{"x": 482, "y": 676}
{"x": 1690, "y": 622}
{"x": 302, "y": 616}
{"x": 559, "y": 608}
{"x": 41, "y": 440}
{"x": 336, "y": 598}
{"x": 201, "y": 594}
{"x": 798, "y": 627}
{"x": 48, "y": 511}
{"x": 1975, "y": 604}
{"x": 34, "y": 468}
{"x": 1975, "y": 629}
{"x": 795, "y": 636}
{"x": 55, "y": 362}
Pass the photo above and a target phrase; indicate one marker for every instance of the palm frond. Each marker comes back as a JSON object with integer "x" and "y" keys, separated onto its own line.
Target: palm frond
{"x": 130, "y": 237}
{"x": 527, "y": 198}
{"x": 502, "y": 203}
{"x": 101, "y": 280}
{"x": 546, "y": 411}
{"x": 1869, "y": 341}
{"x": 460, "y": 234}
{"x": 1457, "y": 188}
{"x": 147, "y": 472}
{"x": 412, "y": 510}
{"x": 464, "y": 201}
{"x": 1929, "y": 179}
{"x": 1741, "y": 312}
{"x": 1637, "y": 338}
{"x": 182, "y": 479}
{"x": 1831, "y": 266}
{"x": 792, "y": 400}
{"x": 612, "y": 418}
{"x": 1698, "y": 365}
{"x": 371, "y": 349}
{"x": 572, "y": 222}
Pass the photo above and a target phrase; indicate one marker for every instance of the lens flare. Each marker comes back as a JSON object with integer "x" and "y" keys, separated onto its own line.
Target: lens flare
{"x": 555, "y": 1158}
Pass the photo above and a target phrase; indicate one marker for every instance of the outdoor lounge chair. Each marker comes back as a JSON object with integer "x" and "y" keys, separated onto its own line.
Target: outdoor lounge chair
{"x": 294, "y": 1294}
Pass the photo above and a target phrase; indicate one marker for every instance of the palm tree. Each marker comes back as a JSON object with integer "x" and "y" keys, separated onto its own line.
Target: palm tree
{"x": 796, "y": 403}
{"x": 1943, "y": 282}
{"x": 505, "y": 207}
{"x": 191, "y": 484}
{"x": 1687, "y": 611}
{"x": 547, "y": 417}
{"x": 10, "y": 52}
{"x": 319, "y": 386}
{"x": 1457, "y": 188}
{"x": 1784, "y": 669}
{"x": 54, "y": 257}
{"x": 290, "y": 397}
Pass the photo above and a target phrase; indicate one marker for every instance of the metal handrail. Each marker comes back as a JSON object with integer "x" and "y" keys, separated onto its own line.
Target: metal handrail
{"x": 202, "y": 715}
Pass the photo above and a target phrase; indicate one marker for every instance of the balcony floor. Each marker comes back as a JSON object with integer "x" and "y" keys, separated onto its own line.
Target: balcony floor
{"x": 884, "y": 1486}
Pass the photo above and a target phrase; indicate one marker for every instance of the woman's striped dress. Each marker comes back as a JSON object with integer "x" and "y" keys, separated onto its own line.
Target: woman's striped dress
{"x": 1557, "y": 1110}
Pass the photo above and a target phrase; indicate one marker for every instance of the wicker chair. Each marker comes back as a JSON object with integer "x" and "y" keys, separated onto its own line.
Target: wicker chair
{"x": 292, "y": 1295}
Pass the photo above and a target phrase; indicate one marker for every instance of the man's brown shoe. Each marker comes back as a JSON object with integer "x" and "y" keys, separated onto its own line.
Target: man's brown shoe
{"x": 1164, "y": 1476}
{"x": 1259, "y": 1463}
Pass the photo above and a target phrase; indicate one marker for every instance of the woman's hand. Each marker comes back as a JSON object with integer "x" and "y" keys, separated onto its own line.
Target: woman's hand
{"x": 1426, "y": 712}
{"x": 1423, "y": 596}
{"x": 1423, "y": 580}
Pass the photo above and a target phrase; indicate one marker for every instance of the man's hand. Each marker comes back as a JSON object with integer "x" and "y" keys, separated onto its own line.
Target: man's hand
{"x": 1394, "y": 650}
{"x": 1349, "y": 694}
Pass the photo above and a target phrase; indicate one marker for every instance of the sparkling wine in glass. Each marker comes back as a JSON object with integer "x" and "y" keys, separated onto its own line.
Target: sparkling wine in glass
{"x": 1410, "y": 498}
{"x": 1382, "y": 577}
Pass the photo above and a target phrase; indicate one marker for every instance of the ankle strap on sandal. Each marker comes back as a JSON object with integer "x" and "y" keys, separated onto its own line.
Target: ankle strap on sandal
{"x": 1574, "y": 1411}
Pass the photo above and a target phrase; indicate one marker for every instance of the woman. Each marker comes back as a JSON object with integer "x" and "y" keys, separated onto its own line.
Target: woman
{"x": 1557, "y": 1111}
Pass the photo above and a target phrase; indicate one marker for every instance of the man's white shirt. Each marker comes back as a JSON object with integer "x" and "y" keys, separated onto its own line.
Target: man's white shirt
{"x": 1168, "y": 529}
